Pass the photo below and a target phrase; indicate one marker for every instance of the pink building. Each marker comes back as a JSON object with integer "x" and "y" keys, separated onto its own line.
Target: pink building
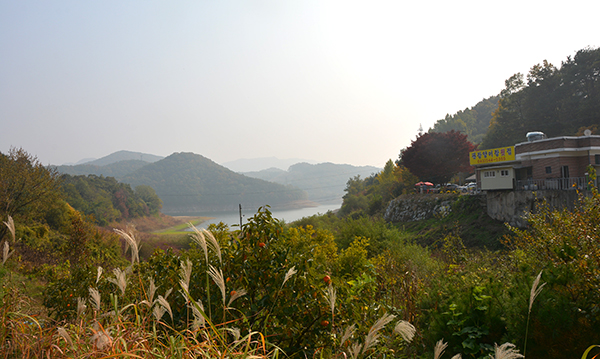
{"x": 544, "y": 163}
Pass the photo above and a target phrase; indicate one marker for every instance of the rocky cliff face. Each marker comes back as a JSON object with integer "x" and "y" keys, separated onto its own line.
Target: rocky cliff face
{"x": 417, "y": 207}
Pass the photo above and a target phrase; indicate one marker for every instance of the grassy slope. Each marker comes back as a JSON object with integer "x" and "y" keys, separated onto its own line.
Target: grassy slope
{"x": 162, "y": 232}
{"x": 467, "y": 220}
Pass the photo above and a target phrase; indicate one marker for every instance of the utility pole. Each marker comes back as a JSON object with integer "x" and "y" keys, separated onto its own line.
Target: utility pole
{"x": 240, "y": 218}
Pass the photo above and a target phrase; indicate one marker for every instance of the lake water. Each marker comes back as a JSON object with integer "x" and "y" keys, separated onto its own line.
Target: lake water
{"x": 290, "y": 215}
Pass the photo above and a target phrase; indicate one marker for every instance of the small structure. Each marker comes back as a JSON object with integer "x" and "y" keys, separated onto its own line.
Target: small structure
{"x": 540, "y": 163}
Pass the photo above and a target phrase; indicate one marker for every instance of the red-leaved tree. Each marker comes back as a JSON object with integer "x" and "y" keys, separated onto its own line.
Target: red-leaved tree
{"x": 436, "y": 157}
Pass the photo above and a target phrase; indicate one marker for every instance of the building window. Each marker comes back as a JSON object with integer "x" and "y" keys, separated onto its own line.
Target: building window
{"x": 597, "y": 159}
{"x": 489, "y": 174}
{"x": 548, "y": 169}
{"x": 504, "y": 173}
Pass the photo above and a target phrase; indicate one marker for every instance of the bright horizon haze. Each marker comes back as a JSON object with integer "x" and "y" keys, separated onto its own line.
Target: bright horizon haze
{"x": 330, "y": 81}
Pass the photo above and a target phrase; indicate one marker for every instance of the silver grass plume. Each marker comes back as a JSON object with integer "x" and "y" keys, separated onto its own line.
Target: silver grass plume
{"x": 199, "y": 238}
{"x": 439, "y": 348}
{"x": 81, "y": 307}
{"x": 99, "y": 274}
{"x": 151, "y": 290}
{"x": 11, "y": 227}
{"x": 373, "y": 334}
{"x": 132, "y": 243}
{"x": 158, "y": 311}
{"x": 95, "y": 298}
{"x": 236, "y": 294}
{"x": 535, "y": 290}
{"x": 5, "y": 248}
{"x": 100, "y": 338}
{"x": 235, "y": 332}
{"x": 217, "y": 277}
{"x": 355, "y": 350}
{"x": 406, "y": 330}
{"x": 6, "y": 253}
{"x": 331, "y": 296}
{"x": 185, "y": 273}
{"x": 347, "y": 333}
{"x": 120, "y": 279}
{"x": 506, "y": 351}
{"x": 168, "y": 292}
{"x": 214, "y": 244}
{"x": 288, "y": 275}
{"x": 63, "y": 333}
{"x": 163, "y": 303}
{"x": 199, "y": 320}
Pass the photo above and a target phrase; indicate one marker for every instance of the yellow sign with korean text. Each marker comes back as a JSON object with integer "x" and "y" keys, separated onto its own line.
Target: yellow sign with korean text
{"x": 492, "y": 155}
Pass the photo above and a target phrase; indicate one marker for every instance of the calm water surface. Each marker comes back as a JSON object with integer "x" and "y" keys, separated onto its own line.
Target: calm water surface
{"x": 231, "y": 218}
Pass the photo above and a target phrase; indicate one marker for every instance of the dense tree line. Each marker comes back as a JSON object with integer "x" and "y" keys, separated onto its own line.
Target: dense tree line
{"x": 108, "y": 200}
{"x": 28, "y": 190}
{"x": 473, "y": 122}
{"x": 557, "y": 101}
{"x": 50, "y": 231}
{"x": 370, "y": 195}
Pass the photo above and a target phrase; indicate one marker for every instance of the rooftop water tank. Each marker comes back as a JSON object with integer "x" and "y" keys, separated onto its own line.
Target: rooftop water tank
{"x": 535, "y": 136}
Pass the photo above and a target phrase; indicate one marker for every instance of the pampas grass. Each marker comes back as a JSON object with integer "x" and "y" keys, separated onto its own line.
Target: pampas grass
{"x": 185, "y": 273}
{"x": 6, "y": 253}
{"x": 132, "y": 243}
{"x": 120, "y": 279}
{"x": 235, "y": 295}
{"x": 406, "y": 330}
{"x": 348, "y": 332}
{"x": 95, "y": 298}
{"x": 289, "y": 274}
{"x": 506, "y": 351}
{"x": 217, "y": 277}
{"x": 536, "y": 288}
{"x": 439, "y": 348}
{"x": 373, "y": 335}
{"x": 11, "y": 227}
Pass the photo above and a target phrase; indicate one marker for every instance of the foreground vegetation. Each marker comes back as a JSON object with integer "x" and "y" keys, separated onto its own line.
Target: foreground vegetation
{"x": 326, "y": 286}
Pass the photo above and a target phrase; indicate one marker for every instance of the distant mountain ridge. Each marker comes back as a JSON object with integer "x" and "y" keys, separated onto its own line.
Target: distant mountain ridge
{"x": 323, "y": 182}
{"x": 259, "y": 164}
{"x": 116, "y": 169}
{"x": 191, "y": 183}
{"x": 188, "y": 182}
{"x": 124, "y": 156}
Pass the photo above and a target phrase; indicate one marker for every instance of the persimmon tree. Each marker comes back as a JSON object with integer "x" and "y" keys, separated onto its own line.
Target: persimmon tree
{"x": 436, "y": 157}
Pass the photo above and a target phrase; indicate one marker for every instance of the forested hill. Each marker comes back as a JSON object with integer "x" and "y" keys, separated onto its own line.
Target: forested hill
{"x": 116, "y": 170}
{"x": 474, "y": 121}
{"x": 557, "y": 101}
{"x": 124, "y": 156}
{"x": 323, "y": 182}
{"x": 117, "y": 164}
{"x": 187, "y": 182}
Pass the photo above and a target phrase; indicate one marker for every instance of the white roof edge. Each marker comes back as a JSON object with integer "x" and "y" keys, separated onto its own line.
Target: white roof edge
{"x": 559, "y": 137}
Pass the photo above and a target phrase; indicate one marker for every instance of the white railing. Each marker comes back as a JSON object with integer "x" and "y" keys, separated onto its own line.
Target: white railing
{"x": 580, "y": 183}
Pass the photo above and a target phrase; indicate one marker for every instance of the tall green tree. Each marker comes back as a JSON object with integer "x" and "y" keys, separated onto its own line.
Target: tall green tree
{"x": 474, "y": 121}
{"x": 149, "y": 196}
{"x": 556, "y": 101}
{"x": 27, "y": 188}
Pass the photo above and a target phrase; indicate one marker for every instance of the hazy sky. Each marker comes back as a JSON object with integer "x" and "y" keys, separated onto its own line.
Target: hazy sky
{"x": 331, "y": 81}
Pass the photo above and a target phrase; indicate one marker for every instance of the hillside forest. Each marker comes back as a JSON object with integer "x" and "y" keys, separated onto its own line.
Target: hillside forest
{"x": 78, "y": 281}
